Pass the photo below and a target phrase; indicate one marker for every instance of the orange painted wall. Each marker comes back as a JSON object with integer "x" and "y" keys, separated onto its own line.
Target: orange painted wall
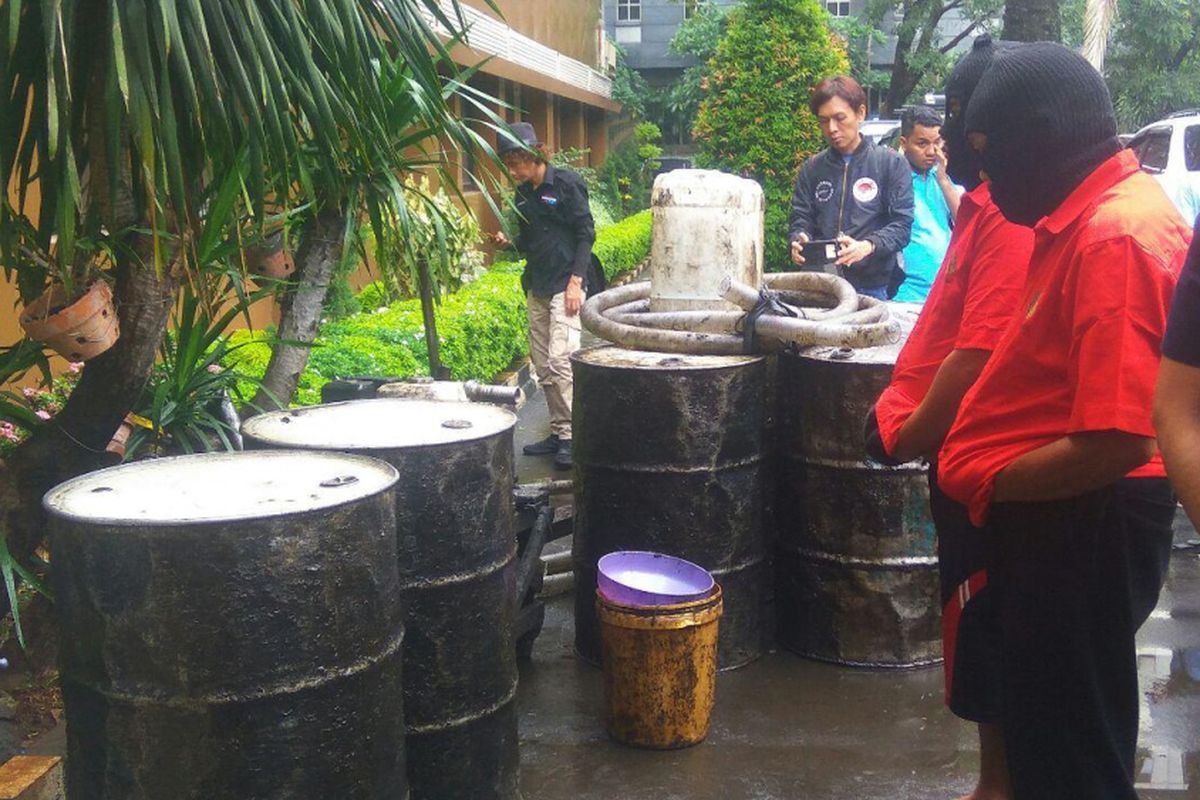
{"x": 568, "y": 26}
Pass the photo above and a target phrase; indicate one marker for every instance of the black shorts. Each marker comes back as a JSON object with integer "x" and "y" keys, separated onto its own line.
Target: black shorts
{"x": 1074, "y": 579}
{"x": 970, "y": 625}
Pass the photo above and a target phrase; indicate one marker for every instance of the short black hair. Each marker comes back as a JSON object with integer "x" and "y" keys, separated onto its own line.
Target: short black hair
{"x": 918, "y": 115}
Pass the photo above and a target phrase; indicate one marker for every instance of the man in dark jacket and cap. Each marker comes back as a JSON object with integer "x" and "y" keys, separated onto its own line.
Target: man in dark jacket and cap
{"x": 556, "y": 236}
{"x": 970, "y": 304}
{"x": 1053, "y": 447}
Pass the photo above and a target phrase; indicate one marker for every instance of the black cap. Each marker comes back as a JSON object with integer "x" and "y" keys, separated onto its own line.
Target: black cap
{"x": 526, "y": 139}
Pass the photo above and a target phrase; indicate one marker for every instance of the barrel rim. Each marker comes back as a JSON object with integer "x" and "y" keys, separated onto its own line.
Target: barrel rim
{"x": 725, "y": 361}
{"x": 141, "y": 523}
{"x": 260, "y": 419}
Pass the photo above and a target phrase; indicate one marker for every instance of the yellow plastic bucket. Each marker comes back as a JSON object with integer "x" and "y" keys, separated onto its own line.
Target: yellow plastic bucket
{"x": 660, "y": 671}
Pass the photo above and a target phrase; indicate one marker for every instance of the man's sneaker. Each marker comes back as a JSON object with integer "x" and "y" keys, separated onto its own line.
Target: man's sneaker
{"x": 546, "y": 447}
{"x": 562, "y": 459}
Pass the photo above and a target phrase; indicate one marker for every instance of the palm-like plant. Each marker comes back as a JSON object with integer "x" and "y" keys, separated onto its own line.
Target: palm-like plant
{"x": 1098, "y": 19}
{"x": 124, "y": 125}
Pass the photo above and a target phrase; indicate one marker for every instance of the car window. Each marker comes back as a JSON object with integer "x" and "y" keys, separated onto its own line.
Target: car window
{"x": 1191, "y": 148}
{"x": 1152, "y": 149}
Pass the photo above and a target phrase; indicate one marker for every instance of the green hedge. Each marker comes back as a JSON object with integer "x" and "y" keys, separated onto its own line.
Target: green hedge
{"x": 624, "y": 245}
{"x": 481, "y": 327}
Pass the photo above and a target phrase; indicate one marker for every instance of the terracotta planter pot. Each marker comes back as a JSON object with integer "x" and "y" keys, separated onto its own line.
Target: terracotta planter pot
{"x": 77, "y": 331}
{"x": 120, "y": 439}
{"x": 270, "y": 259}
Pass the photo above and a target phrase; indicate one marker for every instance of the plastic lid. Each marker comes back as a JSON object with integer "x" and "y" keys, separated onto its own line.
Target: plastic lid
{"x": 383, "y": 424}
{"x": 214, "y": 487}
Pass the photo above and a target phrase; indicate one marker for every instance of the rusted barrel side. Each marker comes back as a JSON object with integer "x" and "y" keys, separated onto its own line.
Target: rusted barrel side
{"x": 856, "y": 559}
{"x": 231, "y": 629}
{"x": 457, "y": 554}
{"x": 669, "y": 458}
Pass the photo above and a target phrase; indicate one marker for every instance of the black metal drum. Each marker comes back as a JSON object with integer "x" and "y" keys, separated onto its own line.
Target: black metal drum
{"x": 232, "y": 628}
{"x": 856, "y": 556}
{"x": 457, "y": 551}
{"x": 669, "y": 457}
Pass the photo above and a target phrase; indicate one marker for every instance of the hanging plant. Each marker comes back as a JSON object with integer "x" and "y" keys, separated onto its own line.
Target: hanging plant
{"x": 271, "y": 258}
{"x": 79, "y": 329}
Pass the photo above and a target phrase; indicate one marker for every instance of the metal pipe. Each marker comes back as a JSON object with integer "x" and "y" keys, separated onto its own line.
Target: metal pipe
{"x": 594, "y": 319}
{"x": 532, "y": 557}
{"x": 806, "y": 332}
{"x": 840, "y": 317}
{"x": 702, "y": 321}
{"x": 487, "y": 393}
{"x": 557, "y": 563}
{"x": 845, "y": 299}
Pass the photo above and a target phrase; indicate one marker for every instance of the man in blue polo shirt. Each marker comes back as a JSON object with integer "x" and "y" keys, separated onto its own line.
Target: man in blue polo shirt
{"x": 935, "y": 202}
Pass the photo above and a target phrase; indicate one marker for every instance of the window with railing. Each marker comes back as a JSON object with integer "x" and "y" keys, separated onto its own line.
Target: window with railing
{"x": 838, "y": 8}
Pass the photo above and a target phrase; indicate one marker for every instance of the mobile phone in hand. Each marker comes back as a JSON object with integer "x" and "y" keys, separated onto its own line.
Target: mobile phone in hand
{"x": 819, "y": 251}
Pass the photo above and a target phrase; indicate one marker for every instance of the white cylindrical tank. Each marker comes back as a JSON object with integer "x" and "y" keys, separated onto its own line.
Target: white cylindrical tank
{"x": 707, "y": 224}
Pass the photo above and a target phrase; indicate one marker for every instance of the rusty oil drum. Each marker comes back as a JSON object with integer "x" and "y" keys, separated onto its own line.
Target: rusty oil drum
{"x": 856, "y": 556}
{"x": 668, "y": 454}
{"x": 457, "y": 555}
{"x": 231, "y": 628}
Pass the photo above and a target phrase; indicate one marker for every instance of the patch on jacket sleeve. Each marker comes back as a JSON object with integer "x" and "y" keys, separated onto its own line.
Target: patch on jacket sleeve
{"x": 824, "y": 191}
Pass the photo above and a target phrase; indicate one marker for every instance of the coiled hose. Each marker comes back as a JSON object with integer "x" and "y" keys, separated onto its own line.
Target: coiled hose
{"x": 802, "y": 309}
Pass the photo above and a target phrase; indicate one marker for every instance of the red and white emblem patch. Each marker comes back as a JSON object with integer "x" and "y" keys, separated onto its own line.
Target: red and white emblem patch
{"x": 865, "y": 190}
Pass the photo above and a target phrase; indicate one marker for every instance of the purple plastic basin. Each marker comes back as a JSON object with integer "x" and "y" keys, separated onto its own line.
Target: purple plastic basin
{"x": 639, "y": 578}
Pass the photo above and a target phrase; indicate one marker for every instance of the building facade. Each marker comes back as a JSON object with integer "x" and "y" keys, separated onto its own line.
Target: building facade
{"x": 549, "y": 63}
{"x": 644, "y": 28}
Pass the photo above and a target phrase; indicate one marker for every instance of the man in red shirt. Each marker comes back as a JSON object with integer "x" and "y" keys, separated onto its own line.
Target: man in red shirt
{"x": 967, "y": 311}
{"x": 1053, "y": 446}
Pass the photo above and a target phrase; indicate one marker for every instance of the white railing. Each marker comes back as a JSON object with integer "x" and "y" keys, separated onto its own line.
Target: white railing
{"x": 493, "y": 37}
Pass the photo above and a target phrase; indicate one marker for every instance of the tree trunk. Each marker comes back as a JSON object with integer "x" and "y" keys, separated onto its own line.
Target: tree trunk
{"x": 903, "y": 80}
{"x": 429, "y": 318}
{"x": 300, "y": 318}
{"x": 73, "y": 444}
{"x": 1032, "y": 21}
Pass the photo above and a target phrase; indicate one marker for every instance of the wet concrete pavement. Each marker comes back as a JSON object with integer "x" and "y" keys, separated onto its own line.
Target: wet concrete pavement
{"x": 785, "y": 728}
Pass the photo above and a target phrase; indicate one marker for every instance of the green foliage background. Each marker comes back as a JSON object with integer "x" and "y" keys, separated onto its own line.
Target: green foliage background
{"x": 1153, "y": 64}
{"x": 481, "y": 327}
{"x": 627, "y": 175}
{"x": 754, "y": 119}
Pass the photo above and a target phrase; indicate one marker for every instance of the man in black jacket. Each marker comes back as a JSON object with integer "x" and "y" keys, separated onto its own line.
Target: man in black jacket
{"x": 855, "y": 192}
{"x": 556, "y": 236}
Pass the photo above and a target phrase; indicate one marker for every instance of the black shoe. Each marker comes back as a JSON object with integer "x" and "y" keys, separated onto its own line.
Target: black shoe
{"x": 546, "y": 447}
{"x": 562, "y": 459}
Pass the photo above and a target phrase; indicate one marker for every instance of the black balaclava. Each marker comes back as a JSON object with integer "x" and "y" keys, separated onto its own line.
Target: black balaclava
{"x": 965, "y": 165}
{"x": 1049, "y": 123}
